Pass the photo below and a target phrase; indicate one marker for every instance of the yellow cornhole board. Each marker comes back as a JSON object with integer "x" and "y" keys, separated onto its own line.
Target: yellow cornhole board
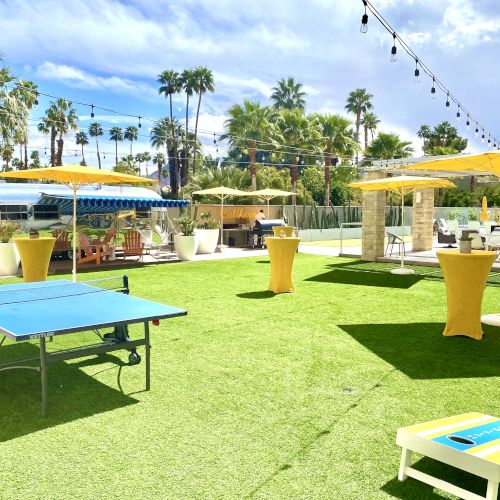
{"x": 470, "y": 442}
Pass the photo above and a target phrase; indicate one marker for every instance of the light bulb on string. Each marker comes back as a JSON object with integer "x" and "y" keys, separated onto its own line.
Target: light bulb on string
{"x": 394, "y": 49}
{"x": 489, "y": 140}
{"x": 139, "y": 125}
{"x": 364, "y": 21}
{"x": 417, "y": 72}
{"x": 482, "y": 136}
{"x": 447, "y": 100}
{"x": 458, "y": 114}
{"x": 476, "y": 132}
{"x": 92, "y": 112}
{"x": 76, "y": 153}
{"x": 467, "y": 123}
{"x": 215, "y": 140}
{"x": 433, "y": 88}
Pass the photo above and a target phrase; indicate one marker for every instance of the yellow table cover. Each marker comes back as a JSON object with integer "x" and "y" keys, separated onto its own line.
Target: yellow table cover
{"x": 465, "y": 276}
{"x": 35, "y": 257}
{"x": 288, "y": 231}
{"x": 281, "y": 255}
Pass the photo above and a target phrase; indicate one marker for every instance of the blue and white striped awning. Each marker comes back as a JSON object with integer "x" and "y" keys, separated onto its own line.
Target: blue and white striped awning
{"x": 87, "y": 204}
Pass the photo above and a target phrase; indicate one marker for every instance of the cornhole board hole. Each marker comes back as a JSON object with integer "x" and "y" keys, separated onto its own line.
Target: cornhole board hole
{"x": 470, "y": 442}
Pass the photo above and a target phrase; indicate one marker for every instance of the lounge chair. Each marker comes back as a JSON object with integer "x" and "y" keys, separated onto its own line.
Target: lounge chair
{"x": 446, "y": 239}
{"x": 91, "y": 253}
{"x": 62, "y": 246}
{"x": 133, "y": 245}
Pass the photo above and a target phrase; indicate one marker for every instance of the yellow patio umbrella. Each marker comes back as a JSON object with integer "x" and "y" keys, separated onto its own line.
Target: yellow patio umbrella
{"x": 268, "y": 194}
{"x": 222, "y": 192}
{"x": 402, "y": 186}
{"x": 485, "y": 215}
{"x": 484, "y": 162}
{"x": 75, "y": 177}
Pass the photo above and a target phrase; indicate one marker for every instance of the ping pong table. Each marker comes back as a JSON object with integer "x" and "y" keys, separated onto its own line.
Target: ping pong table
{"x": 39, "y": 311}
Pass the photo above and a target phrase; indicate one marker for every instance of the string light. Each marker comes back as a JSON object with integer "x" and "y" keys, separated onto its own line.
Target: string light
{"x": 417, "y": 72}
{"x": 476, "y": 132}
{"x": 433, "y": 88}
{"x": 139, "y": 125}
{"x": 394, "y": 49}
{"x": 364, "y": 20}
{"x": 447, "y": 100}
{"x": 92, "y": 112}
{"x": 467, "y": 123}
{"x": 482, "y": 136}
{"x": 489, "y": 140}
{"x": 458, "y": 113}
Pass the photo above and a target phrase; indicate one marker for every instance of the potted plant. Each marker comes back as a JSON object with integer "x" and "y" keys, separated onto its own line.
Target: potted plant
{"x": 208, "y": 233}
{"x": 9, "y": 256}
{"x": 186, "y": 243}
{"x": 465, "y": 244}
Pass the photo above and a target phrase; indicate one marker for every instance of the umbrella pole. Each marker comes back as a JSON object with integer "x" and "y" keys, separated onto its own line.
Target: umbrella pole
{"x": 74, "y": 234}
{"x": 402, "y": 230}
{"x": 268, "y": 208}
{"x": 221, "y": 218}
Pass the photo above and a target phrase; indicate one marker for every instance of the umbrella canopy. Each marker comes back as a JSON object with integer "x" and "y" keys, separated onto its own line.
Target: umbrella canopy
{"x": 268, "y": 194}
{"x": 485, "y": 215}
{"x": 484, "y": 162}
{"x": 222, "y": 192}
{"x": 402, "y": 185}
{"x": 75, "y": 176}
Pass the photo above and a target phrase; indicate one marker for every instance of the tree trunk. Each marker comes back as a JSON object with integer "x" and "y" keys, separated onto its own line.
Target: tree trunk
{"x": 186, "y": 146}
{"x": 26, "y": 154}
{"x": 295, "y": 176}
{"x": 174, "y": 180}
{"x": 21, "y": 152}
{"x": 130, "y": 148}
{"x": 60, "y": 146}
{"x": 83, "y": 156}
{"x": 53, "y": 135}
{"x": 98, "y": 155}
{"x": 200, "y": 90}
{"x": 116, "y": 153}
{"x": 174, "y": 138}
{"x": 252, "y": 153}
{"x": 184, "y": 169}
{"x": 472, "y": 184}
{"x": 358, "y": 122}
{"x": 328, "y": 162}
{"x": 366, "y": 137}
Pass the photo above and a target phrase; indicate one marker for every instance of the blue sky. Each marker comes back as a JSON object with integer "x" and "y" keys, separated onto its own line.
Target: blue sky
{"x": 109, "y": 52}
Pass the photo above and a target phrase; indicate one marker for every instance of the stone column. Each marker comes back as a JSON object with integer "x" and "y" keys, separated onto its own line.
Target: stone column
{"x": 373, "y": 231}
{"x": 423, "y": 212}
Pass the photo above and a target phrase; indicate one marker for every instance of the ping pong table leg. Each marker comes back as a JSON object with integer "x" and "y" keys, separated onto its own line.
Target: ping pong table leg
{"x": 43, "y": 374}
{"x": 148, "y": 362}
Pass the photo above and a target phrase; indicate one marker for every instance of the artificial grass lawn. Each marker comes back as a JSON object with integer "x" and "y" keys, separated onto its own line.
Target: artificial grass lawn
{"x": 248, "y": 395}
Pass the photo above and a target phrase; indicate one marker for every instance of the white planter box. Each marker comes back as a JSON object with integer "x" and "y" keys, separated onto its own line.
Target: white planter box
{"x": 207, "y": 240}
{"x": 9, "y": 259}
{"x": 185, "y": 246}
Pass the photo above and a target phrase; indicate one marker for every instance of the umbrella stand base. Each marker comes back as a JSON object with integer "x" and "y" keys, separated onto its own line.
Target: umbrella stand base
{"x": 402, "y": 270}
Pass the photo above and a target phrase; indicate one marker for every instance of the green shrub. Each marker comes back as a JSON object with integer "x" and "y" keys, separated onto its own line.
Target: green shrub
{"x": 7, "y": 229}
{"x": 187, "y": 224}
{"x": 208, "y": 222}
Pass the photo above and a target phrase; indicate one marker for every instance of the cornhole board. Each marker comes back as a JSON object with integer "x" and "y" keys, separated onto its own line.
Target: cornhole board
{"x": 470, "y": 442}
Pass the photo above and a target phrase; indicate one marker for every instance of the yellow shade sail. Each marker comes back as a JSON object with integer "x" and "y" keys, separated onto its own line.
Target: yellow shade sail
{"x": 402, "y": 184}
{"x": 76, "y": 175}
{"x": 484, "y": 162}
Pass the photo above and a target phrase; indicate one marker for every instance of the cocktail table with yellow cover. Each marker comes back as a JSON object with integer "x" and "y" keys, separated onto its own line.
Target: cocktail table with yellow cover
{"x": 465, "y": 277}
{"x": 281, "y": 255}
{"x": 35, "y": 257}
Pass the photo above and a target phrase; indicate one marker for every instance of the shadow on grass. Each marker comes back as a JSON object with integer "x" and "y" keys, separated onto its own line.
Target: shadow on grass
{"x": 364, "y": 278}
{"x": 72, "y": 394}
{"x": 411, "y": 488}
{"x": 420, "y": 350}
{"x": 264, "y": 294}
{"x": 262, "y": 261}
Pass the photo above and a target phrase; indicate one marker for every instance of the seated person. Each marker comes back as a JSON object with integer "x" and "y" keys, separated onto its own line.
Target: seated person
{"x": 260, "y": 215}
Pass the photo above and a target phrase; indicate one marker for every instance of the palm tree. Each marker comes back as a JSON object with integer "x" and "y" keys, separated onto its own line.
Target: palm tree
{"x": 337, "y": 140}
{"x": 161, "y": 137}
{"x": 188, "y": 83}
{"x": 424, "y": 133}
{"x": 298, "y": 133}
{"x": 131, "y": 134}
{"x": 27, "y": 92}
{"x": 370, "y": 123}
{"x": 204, "y": 82}
{"x": 247, "y": 125}
{"x": 116, "y": 134}
{"x": 82, "y": 139}
{"x": 159, "y": 159}
{"x": 358, "y": 103}
{"x": 95, "y": 130}
{"x": 171, "y": 84}
{"x": 388, "y": 146}
{"x": 288, "y": 94}
{"x": 146, "y": 158}
{"x": 67, "y": 120}
{"x": 48, "y": 125}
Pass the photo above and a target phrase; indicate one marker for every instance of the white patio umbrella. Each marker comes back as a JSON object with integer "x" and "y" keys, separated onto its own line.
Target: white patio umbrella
{"x": 222, "y": 193}
{"x": 268, "y": 194}
{"x": 402, "y": 186}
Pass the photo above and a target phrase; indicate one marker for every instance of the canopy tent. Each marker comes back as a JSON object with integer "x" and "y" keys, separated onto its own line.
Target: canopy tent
{"x": 268, "y": 194}
{"x": 481, "y": 163}
{"x": 222, "y": 192}
{"x": 76, "y": 176}
{"x": 402, "y": 186}
{"x": 95, "y": 204}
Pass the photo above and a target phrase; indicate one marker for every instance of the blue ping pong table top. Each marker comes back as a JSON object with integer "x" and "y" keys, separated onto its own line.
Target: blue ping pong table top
{"x": 48, "y": 308}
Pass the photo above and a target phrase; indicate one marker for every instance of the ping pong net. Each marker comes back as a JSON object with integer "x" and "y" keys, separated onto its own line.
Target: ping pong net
{"x": 57, "y": 290}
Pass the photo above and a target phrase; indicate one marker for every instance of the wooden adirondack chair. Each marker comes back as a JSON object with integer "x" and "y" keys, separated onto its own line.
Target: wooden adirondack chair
{"x": 92, "y": 253}
{"x": 133, "y": 245}
{"x": 63, "y": 243}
